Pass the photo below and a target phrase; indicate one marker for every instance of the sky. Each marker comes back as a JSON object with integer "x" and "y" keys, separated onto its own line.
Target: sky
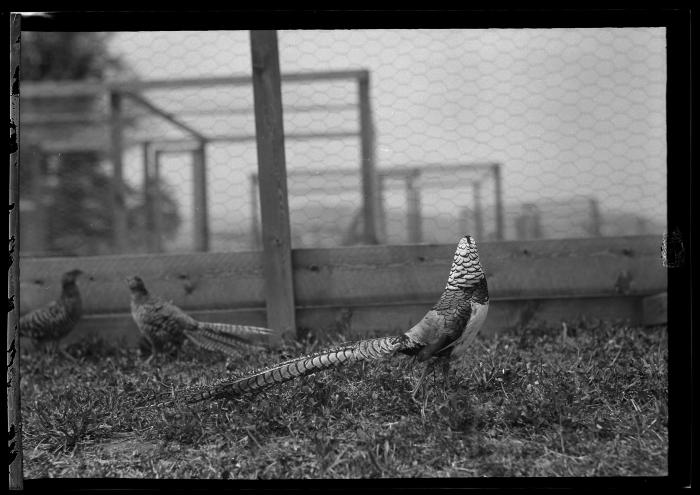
{"x": 569, "y": 113}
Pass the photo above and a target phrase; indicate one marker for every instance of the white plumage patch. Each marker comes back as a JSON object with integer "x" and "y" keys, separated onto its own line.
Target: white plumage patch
{"x": 478, "y": 316}
{"x": 466, "y": 266}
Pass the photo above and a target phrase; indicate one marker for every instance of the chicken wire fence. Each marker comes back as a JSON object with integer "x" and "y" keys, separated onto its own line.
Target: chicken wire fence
{"x": 504, "y": 133}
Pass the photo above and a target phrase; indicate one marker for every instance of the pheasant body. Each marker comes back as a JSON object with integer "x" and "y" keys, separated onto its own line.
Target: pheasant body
{"x": 460, "y": 312}
{"x": 445, "y": 331}
{"x": 54, "y": 321}
{"x": 161, "y": 323}
{"x": 166, "y": 326}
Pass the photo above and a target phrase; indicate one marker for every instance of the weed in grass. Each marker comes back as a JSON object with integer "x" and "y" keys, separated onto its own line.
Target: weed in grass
{"x": 71, "y": 418}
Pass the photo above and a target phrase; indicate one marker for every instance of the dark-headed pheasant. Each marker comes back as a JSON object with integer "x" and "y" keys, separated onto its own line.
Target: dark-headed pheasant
{"x": 50, "y": 323}
{"x": 165, "y": 326}
{"x": 446, "y": 331}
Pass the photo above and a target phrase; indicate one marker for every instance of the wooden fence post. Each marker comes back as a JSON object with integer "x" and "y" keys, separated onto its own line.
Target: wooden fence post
{"x": 498, "y": 191}
{"x": 381, "y": 207}
{"x": 14, "y": 413}
{"x": 254, "y": 213}
{"x": 478, "y": 211}
{"x": 272, "y": 177}
{"x": 155, "y": 199}
{"x": 595, "y": 222}
{"x": 119, "y": 227}
{"x": 369, "y": 176}
{"x": 200, "y": 215}
{"x": 148, "y": 204}
{"x": 414, "y": 219}
{"x": 36, "y": 237}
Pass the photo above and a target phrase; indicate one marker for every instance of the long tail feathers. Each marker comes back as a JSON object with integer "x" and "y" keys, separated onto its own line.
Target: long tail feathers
{"x": 243, "y": 331}
{"x": 230, "y": 339}
{"x": 258, "y": 380}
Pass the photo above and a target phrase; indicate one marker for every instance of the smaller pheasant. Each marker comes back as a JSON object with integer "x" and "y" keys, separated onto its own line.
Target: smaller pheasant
{"x": 50, "y": 323}
{"x": 165, "y": 326}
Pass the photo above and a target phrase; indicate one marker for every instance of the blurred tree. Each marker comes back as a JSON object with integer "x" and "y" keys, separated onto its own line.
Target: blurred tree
{"x": 61, "y": 56}
{"x": 64, "y": 196}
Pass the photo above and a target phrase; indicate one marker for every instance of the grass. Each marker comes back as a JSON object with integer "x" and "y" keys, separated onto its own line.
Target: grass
{"x": 535, "y": 403}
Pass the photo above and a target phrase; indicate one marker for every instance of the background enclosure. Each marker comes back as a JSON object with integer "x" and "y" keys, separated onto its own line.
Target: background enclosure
{"x": 397, "y": 142}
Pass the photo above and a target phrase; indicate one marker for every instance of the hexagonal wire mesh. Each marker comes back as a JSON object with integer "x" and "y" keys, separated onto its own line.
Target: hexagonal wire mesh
{"x": 505, "y": 133}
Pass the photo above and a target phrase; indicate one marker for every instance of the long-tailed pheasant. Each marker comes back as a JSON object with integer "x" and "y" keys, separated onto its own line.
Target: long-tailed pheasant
{"x": 164, "y": 326}
{"x": 49, "y": 324}
{"x": 445, "y": 331}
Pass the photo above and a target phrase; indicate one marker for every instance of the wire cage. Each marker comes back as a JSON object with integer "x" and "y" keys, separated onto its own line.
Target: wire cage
{"x": 400, "y": 215}
{"x": 382, "y": 128}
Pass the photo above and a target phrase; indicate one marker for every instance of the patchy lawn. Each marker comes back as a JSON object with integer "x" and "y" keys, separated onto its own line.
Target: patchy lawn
{"x": 537, "y": 403}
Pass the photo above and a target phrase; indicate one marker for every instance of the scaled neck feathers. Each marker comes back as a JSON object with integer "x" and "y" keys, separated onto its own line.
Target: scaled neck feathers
{"x": 466, "y": 271}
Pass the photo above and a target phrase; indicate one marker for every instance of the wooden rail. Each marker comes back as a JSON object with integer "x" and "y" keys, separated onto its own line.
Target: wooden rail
{"x": 382, "y": 319}
{"x": 81, "y": 88}
{"x": 369, "y": 288}
{"x": 63, "y": 118}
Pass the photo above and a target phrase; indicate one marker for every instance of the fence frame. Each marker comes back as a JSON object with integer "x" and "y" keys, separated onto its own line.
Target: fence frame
{"x": 410, "y": 174}
{"x": 196, "y": 141}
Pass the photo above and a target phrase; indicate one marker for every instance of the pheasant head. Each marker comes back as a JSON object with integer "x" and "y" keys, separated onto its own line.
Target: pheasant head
{"x": 70, "y": 277}
{"x": 137, "y": 287}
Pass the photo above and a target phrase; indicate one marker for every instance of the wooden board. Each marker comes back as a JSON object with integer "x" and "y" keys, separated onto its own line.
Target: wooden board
{"x": 193, "y": 281}
{"x": 367, "y": 275}
{"x": 655, "y": 309}
{"x": 355, "y": 321}
{"x": 515, "y": 270}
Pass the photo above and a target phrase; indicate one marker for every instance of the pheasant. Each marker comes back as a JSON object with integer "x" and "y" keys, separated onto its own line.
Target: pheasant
{"x": 446, "y": 331}
{"x": 164, "y": 325}
{"x": 50, "y": 323}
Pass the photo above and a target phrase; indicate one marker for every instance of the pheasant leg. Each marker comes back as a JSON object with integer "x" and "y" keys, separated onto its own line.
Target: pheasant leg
{"x": 426, "y": 369}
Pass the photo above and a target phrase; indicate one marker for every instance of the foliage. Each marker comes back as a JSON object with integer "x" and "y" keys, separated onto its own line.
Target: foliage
{"x": 66, "y": 55}
{"x": 70, "y": 211}
{"x": 590, "y": 403}
{"x": 79, "y": 212}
